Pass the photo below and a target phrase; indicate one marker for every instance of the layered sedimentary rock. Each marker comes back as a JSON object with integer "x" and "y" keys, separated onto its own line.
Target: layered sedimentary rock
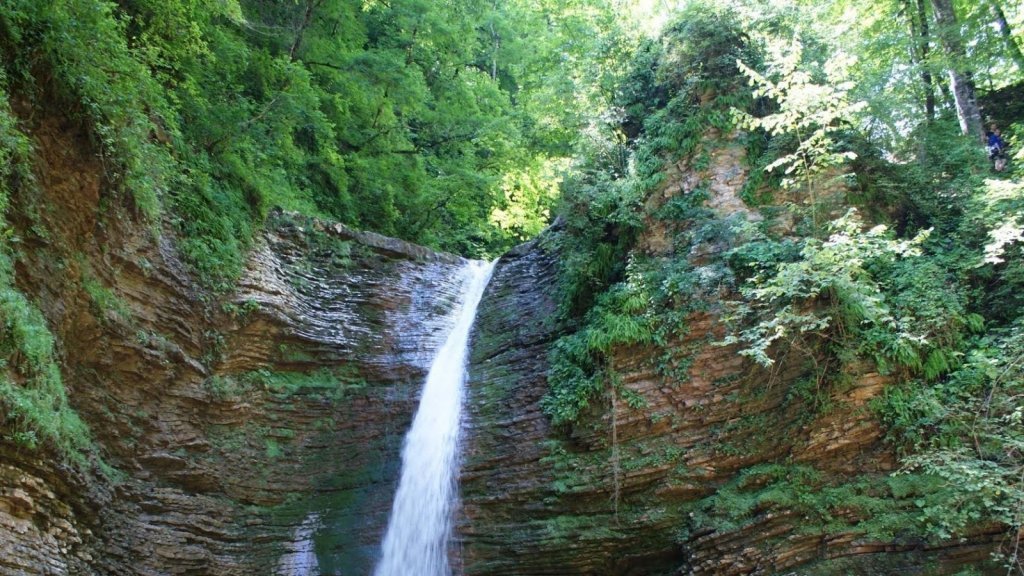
{"x": 713, "y": 466}
{"x": 257, "y": 433}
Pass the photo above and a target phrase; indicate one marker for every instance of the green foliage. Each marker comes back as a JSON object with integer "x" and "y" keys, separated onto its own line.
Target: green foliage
{"x": 449, "y": 124}
{"x": 222, "y": 387}
{"x": 529, "y": 193}
{"x": 331, "y": 385}
{"x": 926, "y": 298}
{"x": 84, "y": 46}
{"x": 33, "y": 401}
{"x": 579, "y": 370}
{"x": 810, "y": 112}
{"x": 439, "y": 123}
{"x": 104, "y": 302}
{"x": 917, "y": 296}
{"x": 830, "y": 292}
{"x": 273, "y": 449}
{"x": 602, "y": 219}
{"x": 879, "y": 508}
{"x": 967, "y": 429}
{"x": 15, "y": 151}
{"x": 690, "y": 70}
{"x": 604, "y": 301}
{"x": 991, "y": 225}
{"x": 34, "y": 408}
{"x": 240, "y": 310}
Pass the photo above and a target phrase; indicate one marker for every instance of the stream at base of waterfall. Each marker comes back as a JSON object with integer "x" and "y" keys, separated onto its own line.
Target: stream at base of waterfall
{"x": 416, "y": 541}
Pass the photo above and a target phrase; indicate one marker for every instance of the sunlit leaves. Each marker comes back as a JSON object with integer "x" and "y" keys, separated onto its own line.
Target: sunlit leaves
{"x": 830, "y": 287}
{"x": 529, "y": 195}
{"x": 1009, "y": 232}
{"x": 966, "y": 430}
{"x": 1000, "y": 209}
{"x": 809, "y": 111}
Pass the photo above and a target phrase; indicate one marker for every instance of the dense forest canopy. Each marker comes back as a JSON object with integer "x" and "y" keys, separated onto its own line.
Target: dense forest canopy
{"x": 468, "y": 125}
{"x": 440, "y": 122}
{"x": 445, "y": 123}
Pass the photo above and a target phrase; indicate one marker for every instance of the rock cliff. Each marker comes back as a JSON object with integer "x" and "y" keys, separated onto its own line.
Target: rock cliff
{"x": 254, "y": 434}
{"x": 713, "y": 465}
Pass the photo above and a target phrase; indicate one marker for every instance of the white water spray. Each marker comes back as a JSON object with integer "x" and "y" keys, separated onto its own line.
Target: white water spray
{"x": 416, "y": 542}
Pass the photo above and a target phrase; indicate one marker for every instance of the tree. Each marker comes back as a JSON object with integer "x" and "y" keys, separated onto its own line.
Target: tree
{"x": 920, "y": 49}
{"x": 948, "y": 31}
{"x": 1004, "y": 30}
{"x": 811, "y": 112}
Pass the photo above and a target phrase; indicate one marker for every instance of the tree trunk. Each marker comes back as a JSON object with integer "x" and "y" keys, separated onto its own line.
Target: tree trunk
{"x": 948, "y": 31}
{"x": 300, "y": 29}
{"x": 496, "y": 45}
{"x": 1004, "y": 30}
{"x": 919, "y": 49}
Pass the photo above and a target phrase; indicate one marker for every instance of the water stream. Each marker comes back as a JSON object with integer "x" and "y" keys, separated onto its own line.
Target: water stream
{"x": 416, "y": 542}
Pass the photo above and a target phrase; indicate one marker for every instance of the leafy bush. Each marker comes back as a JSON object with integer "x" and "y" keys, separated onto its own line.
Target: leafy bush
{"x": 92, "y": 66}
{"x": 687, "y": 84}
{"x": 829, "y": 292}
{"x": 881, "y": 508}
{"x": 32, "y": 395}
{"x": 579, "y": 370}
{"x": 968, "y": 430}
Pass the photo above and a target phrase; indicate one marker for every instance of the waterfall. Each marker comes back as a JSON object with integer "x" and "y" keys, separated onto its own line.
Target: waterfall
{"x": 416, "y": 542}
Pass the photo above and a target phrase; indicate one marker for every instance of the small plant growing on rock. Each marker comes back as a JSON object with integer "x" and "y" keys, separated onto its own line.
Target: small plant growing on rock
{"x": 808, "y": 111}
{"x": 240, "y": 310}
{"x": 828, "y": 292}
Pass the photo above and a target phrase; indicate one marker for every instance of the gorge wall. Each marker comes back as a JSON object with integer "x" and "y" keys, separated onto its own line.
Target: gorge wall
{"x": 703, "y": 462}
{"x": 542, "y": 501}
{"x": 259, "y": 434}
{"x": 255, "y": 434}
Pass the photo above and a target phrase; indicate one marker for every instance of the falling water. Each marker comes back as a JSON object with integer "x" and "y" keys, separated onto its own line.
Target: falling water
{"x": 417, "y": 538}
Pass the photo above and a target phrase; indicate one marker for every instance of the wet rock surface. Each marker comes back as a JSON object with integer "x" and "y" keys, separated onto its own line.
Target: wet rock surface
{"x": 228, "y": 429}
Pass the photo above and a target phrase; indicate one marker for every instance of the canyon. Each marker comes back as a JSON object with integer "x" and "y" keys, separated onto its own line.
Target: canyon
{"x": 259, "y": 432}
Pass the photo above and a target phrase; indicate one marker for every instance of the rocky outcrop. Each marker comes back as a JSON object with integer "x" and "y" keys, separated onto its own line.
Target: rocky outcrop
{"x": 712, "y": 466}
{"x": 253, "y": 434}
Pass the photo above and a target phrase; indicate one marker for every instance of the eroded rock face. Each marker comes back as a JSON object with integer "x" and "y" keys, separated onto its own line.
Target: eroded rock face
{"x": 540, "y": 501}
{"x": 628, "y": 490}
{"x": 237, "y": 435}
{"x": 258, "y": 434}
{"x": 240, "y": 435}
